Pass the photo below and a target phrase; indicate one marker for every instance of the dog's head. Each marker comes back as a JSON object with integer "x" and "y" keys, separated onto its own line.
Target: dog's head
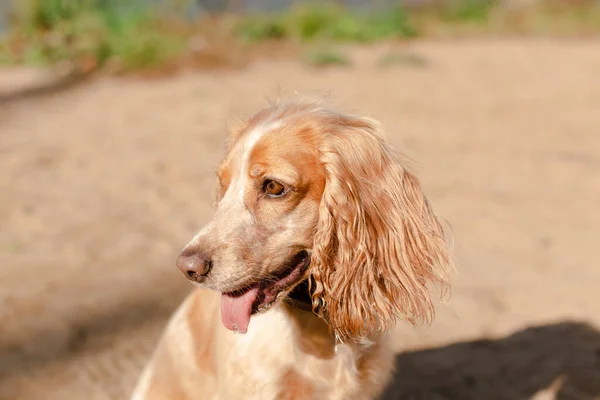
{"x": 305, "y": 192}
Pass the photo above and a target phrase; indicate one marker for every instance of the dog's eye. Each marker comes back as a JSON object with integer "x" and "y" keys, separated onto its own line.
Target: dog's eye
{"x": 273, "y": 188}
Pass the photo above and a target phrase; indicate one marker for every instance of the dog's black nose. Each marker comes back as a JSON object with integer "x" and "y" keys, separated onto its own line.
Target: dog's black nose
{"x": 194, "y": 264}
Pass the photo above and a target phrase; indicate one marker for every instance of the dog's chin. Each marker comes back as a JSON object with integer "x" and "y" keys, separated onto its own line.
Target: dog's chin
{"x": 240, "y": 303}
{"x": 279, "y": 284}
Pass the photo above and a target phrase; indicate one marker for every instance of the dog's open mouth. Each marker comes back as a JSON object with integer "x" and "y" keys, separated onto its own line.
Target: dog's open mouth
{"x": 238, "y": 306}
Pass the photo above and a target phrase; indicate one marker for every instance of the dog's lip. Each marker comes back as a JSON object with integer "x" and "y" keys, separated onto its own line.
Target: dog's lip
{"x": 269, "y": 289}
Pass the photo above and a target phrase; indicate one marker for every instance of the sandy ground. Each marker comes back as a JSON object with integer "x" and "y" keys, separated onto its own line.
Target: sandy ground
{"x": 101, "y": 185}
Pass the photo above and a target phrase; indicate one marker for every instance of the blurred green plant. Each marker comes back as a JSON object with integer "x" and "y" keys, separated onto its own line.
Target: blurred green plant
{"x": 88, "y": 34}
{"x": 259, "y": 28}
{"x": 326, "y": 22}
{"x": 469, "y": 11}
{"x": 323, "y": 57}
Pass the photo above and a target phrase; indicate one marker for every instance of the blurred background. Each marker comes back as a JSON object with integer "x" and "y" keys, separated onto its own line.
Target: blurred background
{"x": 113, "y": 116}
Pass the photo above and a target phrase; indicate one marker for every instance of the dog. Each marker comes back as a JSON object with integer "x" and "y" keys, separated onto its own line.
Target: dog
{"x": 321, "y": 240}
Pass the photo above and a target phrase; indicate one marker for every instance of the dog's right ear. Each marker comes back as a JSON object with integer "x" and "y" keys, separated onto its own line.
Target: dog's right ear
{"x": 378, "y": 243}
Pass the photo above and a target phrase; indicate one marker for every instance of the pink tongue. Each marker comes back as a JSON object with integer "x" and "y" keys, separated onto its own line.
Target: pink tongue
{"x": 236, "y": 310}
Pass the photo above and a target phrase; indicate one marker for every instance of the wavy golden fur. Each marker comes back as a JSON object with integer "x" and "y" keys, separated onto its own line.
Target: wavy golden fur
{"x": 378, "y": 243}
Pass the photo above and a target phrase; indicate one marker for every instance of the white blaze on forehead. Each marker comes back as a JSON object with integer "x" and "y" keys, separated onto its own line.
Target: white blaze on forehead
{"x": 240, "y": 179}
{"x": 233, "y": 199}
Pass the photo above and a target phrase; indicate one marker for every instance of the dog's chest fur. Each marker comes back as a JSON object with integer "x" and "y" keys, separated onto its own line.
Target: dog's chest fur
{"x": 289, "y": 354}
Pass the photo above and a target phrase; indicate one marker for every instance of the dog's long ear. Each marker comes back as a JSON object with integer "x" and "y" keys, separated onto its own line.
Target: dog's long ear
{"x": 378, "y": 245}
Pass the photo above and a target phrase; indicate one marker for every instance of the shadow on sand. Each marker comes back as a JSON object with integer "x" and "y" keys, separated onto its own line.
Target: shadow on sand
{"x": 52, "y": 87}
{"x": 563, "y": 355}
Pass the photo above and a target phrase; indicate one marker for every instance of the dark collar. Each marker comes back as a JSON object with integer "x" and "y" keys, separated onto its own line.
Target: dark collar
{"x": 300, "y": 296}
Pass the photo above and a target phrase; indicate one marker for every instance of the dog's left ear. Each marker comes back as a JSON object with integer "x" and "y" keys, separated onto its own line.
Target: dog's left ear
{"x": 378, "y": 244}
